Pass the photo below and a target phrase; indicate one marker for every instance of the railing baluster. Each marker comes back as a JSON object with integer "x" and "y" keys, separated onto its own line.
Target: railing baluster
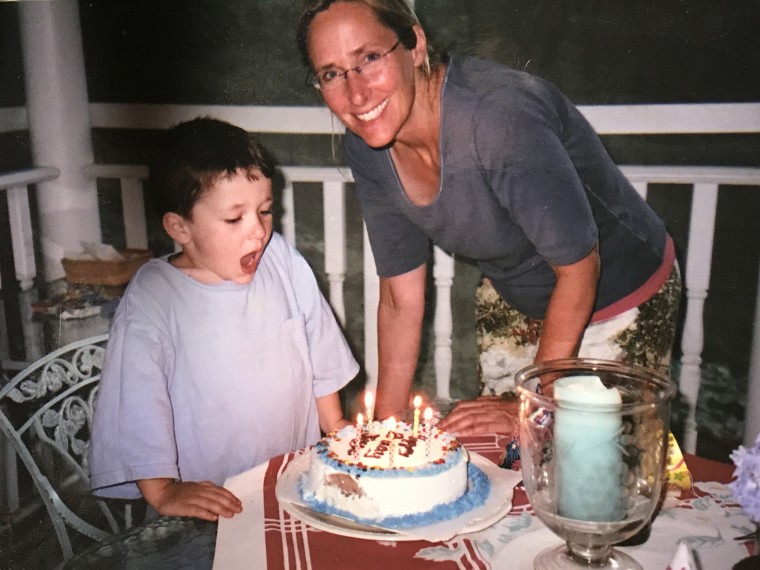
{"x": 641, "y": 188}
{"x": 371, "y": 299}
{"x": 701, "y": 231}
{"x": 9, "y": 492}
{"x": 288, "y": 214}
{"x": 21, "y": 230}
{"x": 15, "y": 185}
{"x": 334, "y": 202}
{"x": 133, "y": 206}
{"x": 11, "y": 289}
{"x": 705, "y": 180}
{"x": 752, "y": 413}
{"x": 443, "y": 275}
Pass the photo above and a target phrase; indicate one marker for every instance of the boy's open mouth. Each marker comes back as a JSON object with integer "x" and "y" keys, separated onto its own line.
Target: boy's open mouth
{"x": 249, "y": 262}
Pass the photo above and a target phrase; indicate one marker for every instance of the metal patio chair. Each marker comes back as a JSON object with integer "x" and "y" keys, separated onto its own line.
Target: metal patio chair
{"x": 46, "y": 413}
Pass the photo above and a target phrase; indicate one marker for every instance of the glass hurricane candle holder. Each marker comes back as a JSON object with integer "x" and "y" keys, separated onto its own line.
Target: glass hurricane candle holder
{"x": 593, "y": 443}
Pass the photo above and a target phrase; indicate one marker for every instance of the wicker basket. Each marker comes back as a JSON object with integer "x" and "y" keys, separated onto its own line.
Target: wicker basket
{"x": 99, "y": 272}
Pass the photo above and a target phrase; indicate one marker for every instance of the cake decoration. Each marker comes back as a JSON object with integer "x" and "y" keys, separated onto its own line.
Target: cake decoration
{"x": 384, "y": 474}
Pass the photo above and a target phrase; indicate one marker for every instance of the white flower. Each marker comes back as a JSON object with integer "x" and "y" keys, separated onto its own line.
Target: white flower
{"x": 746, "y": 484}
{"x": 498, "y": 366}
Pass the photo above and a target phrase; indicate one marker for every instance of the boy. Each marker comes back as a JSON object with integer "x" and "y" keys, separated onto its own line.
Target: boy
{"x": 223, "y": 355}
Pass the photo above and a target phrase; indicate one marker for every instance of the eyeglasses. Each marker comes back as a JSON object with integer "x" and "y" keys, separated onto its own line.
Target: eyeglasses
{"x": 371, "y": 68}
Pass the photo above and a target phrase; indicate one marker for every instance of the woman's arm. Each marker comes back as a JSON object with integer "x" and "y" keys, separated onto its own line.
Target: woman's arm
{"x": 399, "y": 324}
{"x": 570, "y": 307}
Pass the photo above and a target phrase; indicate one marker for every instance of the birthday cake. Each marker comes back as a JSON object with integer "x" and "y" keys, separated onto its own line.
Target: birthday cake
{"x": 385, "y": 474}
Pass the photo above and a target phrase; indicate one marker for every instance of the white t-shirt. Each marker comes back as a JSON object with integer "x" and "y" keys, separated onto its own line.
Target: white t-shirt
{"x": 201, "y": 382}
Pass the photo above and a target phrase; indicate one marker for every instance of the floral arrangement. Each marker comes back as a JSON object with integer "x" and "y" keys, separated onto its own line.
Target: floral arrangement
{"x": 746, "y": 486}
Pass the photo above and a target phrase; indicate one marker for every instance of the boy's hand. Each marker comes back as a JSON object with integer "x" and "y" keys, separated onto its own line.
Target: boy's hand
{"x": 202, "y": 500}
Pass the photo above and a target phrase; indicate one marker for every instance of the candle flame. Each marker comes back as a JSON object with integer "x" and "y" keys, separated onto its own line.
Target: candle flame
{"x": 428, "y": 414}
{"x": 359, "y": 419}
{"x": 417, "y": 401}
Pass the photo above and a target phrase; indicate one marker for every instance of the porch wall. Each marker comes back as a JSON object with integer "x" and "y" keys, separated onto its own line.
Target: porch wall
{"x": 444, "y": 353}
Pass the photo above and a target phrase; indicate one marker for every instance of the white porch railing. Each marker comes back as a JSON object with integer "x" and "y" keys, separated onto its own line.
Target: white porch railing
{"x": 705, "y": 182}
{"x": 655, "y": 119}
{"x": 16, "y": 188}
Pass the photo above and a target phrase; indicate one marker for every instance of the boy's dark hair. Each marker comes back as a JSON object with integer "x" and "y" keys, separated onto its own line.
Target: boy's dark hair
{"x": 193, "y": 155}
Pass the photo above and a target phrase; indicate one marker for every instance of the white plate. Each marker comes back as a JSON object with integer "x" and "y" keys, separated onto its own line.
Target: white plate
{"x": 498, "y": 504}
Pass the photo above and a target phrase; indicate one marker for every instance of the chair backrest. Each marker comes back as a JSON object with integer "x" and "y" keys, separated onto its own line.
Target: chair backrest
{"x": 46, "y": 413}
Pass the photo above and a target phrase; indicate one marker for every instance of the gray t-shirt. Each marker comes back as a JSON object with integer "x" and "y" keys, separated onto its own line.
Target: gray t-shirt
{"x": 525, "y": 183}
{"x": 202, "y": 382}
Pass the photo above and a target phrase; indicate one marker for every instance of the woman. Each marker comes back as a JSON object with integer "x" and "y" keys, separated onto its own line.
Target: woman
{"x": 499, "y": 167}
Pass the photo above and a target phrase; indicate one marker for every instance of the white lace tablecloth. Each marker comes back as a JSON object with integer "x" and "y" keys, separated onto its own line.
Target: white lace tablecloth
{"x": 707, "y": 520}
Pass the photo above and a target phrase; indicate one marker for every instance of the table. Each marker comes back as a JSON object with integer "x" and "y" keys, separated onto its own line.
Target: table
{"x": 40, "y": 335}
{"x": 168, "y": 542}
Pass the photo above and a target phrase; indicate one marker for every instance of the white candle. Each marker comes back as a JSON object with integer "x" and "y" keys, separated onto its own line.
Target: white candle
{"x": 369, "y": 405}
{"x": 428, "y": 416}
{"x": 359, "y": 430}
{"x": 417, "y": 404}
{"x": 392, "y": 440}
{"x": 587, "y": 454}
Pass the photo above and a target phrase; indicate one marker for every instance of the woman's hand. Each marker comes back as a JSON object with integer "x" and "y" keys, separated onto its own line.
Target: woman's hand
{"x": 202, "y": 500}
{"x": 486, "y": 414}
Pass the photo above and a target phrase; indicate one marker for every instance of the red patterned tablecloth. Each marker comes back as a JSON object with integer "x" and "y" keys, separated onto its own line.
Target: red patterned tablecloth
{"x": 285, "y": 542}
{"x": 293, "y": 544}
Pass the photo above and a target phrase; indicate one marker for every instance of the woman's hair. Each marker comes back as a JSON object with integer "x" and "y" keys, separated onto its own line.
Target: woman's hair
{"x": 393, "y": 14}
{"x": 192, "y": 156}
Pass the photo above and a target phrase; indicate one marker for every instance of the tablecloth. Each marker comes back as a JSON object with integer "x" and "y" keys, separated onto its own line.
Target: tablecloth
{"x": 264, "y": 535}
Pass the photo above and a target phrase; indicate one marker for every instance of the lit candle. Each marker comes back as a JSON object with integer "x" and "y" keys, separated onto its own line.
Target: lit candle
{"x": 417, "y": 404}
{"x": 369, "y": 405}
{"x": 588, "y": 458}
{"x": 428, "y": 416}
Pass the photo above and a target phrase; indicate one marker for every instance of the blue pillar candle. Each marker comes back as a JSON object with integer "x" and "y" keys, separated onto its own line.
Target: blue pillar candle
{"x": 589, "y": 466}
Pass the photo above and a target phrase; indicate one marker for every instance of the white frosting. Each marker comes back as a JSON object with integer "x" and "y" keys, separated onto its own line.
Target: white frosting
{"x": 393, "y": 474}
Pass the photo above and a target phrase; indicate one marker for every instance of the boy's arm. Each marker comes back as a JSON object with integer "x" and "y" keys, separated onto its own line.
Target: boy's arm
{"x": 202, "y": 500}
{"x": 330, "y": 413}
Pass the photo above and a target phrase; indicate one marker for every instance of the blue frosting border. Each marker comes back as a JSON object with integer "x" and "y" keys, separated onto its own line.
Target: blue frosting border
{"x": 479, "y": 487}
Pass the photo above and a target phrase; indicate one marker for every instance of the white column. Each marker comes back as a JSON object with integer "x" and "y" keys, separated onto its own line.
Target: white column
{"x": 752, "y": 413}
{"x": 59, "y": 120}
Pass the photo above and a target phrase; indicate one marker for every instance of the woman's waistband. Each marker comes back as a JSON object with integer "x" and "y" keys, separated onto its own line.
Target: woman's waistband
{"x": 646, "y": 291}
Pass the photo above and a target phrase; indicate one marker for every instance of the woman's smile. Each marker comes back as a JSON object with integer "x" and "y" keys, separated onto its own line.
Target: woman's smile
{"x": 373, "y": 113}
